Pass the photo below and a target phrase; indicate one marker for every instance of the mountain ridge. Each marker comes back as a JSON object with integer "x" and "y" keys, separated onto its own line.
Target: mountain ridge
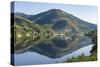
{"x": 61, "y": 20}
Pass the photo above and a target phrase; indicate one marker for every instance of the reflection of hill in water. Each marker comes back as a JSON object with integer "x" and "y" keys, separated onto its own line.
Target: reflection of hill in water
{"x": 57, "y": 47}
{"x": 57, "y": 21}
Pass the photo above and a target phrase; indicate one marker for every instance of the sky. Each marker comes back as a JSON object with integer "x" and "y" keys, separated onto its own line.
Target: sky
{"x": 84, "y": 12}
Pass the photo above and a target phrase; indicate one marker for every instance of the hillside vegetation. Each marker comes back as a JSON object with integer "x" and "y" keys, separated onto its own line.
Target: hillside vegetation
{"x": 25, "y": 29}
{"x": 93, "y": 56}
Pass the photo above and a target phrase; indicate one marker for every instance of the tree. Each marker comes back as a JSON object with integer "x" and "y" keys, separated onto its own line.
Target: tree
{"x": 93, "y": 36}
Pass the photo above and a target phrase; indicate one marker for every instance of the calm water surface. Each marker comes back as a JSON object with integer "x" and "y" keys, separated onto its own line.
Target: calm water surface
{"x": 55, "y": 50}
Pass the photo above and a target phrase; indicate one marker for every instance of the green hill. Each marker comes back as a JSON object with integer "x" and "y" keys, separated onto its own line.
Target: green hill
{"x": 28, "y": 30}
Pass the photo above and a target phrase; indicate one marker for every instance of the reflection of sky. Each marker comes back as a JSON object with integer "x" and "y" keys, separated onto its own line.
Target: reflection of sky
{"x": 87, "y": 13}
{"x": 30, "y": 58}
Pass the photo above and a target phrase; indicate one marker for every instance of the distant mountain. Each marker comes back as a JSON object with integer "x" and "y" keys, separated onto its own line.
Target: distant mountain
{"x": 60, "y": 21}
{"x": 21, "y": 15}
{"x": 22, "y": 22}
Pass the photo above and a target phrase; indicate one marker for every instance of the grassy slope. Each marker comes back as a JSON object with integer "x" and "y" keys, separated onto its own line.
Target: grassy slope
{"x": 92, "y": 57}
{"x": 23, "y": 29}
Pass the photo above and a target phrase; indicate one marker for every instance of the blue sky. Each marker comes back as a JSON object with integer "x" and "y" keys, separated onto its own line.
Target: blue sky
{"x": 87, "y": 13}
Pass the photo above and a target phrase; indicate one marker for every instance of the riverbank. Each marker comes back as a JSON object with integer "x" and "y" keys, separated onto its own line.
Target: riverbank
{"x": 82, "y": 58}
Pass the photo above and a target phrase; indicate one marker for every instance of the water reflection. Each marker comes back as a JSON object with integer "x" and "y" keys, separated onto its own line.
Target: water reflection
{"x": 55, "y": 47}
{"x": 30, "y": 58}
